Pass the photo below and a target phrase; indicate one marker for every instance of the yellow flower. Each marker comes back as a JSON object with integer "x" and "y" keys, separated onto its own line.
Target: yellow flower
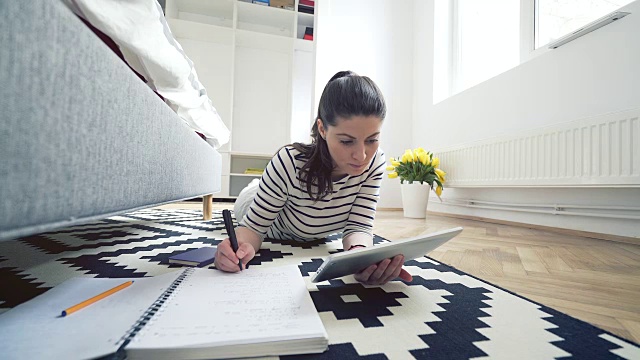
{"x": 418, "y": 165}
{"x": 407, "y": 156}
{"x": 439, "y": 190}
{"x": 423, "y": 157}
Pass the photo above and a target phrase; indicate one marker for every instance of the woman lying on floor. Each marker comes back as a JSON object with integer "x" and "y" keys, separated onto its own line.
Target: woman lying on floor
{"x": 310, "y": 191}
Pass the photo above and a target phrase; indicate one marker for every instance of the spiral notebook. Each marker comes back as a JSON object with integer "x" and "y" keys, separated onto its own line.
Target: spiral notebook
{"x": 193, "y": 313}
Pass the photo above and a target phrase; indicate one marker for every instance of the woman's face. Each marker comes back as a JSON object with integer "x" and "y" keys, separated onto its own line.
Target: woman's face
{"x": 352, "y": 143}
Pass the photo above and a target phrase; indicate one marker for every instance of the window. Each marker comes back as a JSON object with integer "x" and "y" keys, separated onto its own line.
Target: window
{"x": 486, "y": 42}
{"x": 477, "y": 40}
{"x": 556, "y": 18}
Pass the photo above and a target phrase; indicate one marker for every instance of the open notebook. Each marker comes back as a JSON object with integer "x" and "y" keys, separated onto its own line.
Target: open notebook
{"x": 190, "y": 314}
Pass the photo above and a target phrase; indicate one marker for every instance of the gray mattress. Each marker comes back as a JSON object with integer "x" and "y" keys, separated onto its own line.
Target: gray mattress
{"x": 81, "y": 136}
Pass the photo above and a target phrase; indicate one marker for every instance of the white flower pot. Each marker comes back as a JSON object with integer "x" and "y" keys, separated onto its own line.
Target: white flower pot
{"x": 415, "y": 198}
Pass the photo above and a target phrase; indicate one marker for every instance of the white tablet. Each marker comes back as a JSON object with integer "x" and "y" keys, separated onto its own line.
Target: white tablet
{"x": 350, "y": 262}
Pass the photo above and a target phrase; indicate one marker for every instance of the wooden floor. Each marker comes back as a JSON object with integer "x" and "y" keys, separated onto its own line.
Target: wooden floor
{"x": 597, "y": 281}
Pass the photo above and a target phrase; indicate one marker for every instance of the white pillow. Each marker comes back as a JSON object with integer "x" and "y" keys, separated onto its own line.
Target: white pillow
{"x": 141, "y": 32}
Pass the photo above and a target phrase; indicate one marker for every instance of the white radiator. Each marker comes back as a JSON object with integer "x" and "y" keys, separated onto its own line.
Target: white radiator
{"x": 602, "y": 151}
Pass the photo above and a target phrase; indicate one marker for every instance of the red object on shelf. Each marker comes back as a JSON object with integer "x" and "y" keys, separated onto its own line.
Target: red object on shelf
{"x": 308, "y": 33}
{"x": 307, "y": 2}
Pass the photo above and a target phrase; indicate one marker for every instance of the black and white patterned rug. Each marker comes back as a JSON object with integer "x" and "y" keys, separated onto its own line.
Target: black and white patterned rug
{"x": 443, "y": 313}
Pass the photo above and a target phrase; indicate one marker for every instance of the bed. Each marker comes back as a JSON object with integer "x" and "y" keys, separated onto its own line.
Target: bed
{"x": 82, "y": 137}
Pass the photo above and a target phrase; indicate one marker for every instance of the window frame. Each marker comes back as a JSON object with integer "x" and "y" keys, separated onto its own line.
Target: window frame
{"x": 529, "y": 31}
{"x": 527, "y": 40}
{"x": 529, "y": 18}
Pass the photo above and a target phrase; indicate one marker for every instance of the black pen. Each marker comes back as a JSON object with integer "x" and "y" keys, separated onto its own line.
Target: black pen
{"x": 228, "y": 223}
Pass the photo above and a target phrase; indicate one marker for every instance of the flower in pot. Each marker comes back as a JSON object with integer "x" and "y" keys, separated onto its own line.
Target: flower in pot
{"x": 417, "y": 167}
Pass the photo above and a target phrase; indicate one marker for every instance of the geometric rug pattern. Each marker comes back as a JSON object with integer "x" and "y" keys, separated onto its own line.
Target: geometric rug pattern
{"x": 443, "y": 313}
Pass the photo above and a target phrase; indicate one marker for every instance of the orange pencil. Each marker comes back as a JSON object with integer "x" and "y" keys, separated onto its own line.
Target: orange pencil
{"x": 88, "y": 302}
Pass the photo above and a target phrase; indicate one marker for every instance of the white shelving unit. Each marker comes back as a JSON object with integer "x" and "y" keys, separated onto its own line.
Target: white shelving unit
{"x": 241, "y": 161}
{"x": 257, "y": 70}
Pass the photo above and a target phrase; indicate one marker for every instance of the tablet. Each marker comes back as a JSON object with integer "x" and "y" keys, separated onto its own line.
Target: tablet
{"x": 350, "y": 262}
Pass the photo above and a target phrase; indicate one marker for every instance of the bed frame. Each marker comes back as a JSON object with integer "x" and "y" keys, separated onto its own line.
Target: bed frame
{"x": 82, "y": 137}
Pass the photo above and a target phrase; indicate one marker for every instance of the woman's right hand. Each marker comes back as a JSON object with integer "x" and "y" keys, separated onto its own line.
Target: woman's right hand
{"x": 227, "y": 260}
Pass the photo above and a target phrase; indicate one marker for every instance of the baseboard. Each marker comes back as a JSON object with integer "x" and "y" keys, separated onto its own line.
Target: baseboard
{"x": 588, "y": 234}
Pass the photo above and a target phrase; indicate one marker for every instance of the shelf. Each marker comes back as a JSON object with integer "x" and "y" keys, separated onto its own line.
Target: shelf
{"x": 305, "y": 19}
{"x": 239, "y": 163}
{"x": 303, "y": 45}
{"x": 239, "y": 183}
{"x": 200, "y": 31}
{"x": 246, "y": 175}
{"x": 265, "y": 19}
{"x": 218, "y": 12}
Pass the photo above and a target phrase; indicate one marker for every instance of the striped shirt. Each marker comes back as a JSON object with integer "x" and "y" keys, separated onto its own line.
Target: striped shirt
{"x": 282, "y": 209}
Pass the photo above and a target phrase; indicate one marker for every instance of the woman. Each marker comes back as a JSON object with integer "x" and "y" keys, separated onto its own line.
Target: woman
{"x": 309, "y": 191}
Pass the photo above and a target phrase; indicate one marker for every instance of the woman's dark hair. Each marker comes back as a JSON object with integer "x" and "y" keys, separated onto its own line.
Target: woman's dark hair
{"x": 347, "y": 94}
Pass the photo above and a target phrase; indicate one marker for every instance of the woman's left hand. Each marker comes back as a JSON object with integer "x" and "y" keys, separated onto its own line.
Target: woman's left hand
{"x": 384, "y": 271}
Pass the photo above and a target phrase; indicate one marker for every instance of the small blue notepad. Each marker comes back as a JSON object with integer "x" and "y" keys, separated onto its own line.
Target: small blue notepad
{"x": 196, "y": 257}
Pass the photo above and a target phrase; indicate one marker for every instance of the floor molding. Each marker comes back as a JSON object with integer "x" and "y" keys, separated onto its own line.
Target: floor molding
{"x": 588, "y": 234}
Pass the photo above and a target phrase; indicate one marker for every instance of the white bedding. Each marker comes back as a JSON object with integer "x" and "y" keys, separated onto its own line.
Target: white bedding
{"x": 141, "y": 32}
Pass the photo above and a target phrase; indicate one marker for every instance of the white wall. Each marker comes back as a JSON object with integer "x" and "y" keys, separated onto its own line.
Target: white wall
{"x": 372, "y": 38}
{"x": 596, "y": 74}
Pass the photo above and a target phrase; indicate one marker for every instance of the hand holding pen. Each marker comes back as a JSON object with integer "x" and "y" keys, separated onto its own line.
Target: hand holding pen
{"x": 228, "y": 223}
{"x": 231, "y": 253}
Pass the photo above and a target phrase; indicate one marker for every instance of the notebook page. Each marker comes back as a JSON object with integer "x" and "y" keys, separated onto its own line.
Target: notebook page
{"x": 35, "y": 329}
{"x": 213, "y": 308}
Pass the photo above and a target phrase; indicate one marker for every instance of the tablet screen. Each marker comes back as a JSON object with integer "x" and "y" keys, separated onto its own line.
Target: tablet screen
{"x": 353, "y": 261}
